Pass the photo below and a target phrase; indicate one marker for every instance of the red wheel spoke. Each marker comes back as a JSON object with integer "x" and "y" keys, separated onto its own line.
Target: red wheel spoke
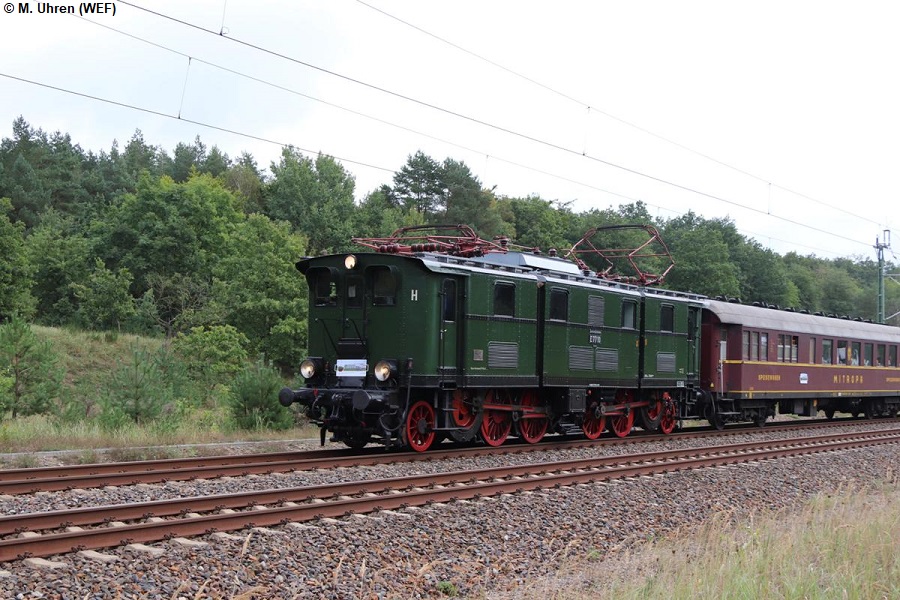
{"x": 496, "y": 424}
{"x": 622, "y": 424}
{"x": 532, "y": 429}
{"x": 669, "y": 418}
{"x": 420, "y": 424}
{"x": 463, "y": 414}
{"x": 593, "y": 422}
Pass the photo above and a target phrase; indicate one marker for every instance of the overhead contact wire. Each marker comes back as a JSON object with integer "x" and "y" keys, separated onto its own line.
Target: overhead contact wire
{"x": 610, "y": 115}
{"x": 487, "y": 124}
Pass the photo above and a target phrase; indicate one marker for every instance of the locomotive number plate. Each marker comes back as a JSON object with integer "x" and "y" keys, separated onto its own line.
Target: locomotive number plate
{"x": 351, "y": 368}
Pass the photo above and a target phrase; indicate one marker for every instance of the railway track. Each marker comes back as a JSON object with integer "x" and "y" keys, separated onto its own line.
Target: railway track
{"x": 52, "y": 479}
{"x": 111, "y": 526}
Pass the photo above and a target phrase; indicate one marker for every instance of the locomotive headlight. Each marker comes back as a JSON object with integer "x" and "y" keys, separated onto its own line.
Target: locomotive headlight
{"x": 309, "y": 368}
{"x": 385, "y": 369}
{"x": 350, "y": 261}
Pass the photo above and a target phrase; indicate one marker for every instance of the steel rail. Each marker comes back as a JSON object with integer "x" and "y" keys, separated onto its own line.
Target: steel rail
{"x": 576, "y": 472}
{"x": 163, "y": 508}
{"x": 50, "y": 479}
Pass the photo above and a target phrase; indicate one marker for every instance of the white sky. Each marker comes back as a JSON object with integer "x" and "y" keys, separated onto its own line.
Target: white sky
{"x": 800, "y": 96}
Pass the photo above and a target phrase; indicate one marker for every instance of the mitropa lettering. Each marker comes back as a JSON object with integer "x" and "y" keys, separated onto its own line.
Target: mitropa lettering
{"x": 848, "y": 379}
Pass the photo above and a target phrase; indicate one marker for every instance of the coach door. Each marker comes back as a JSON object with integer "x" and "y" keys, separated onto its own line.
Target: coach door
{"x": 448, "y": 354}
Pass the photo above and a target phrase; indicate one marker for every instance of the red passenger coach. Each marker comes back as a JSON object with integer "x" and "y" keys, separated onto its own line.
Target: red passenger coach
{"x": 754, "y": 357}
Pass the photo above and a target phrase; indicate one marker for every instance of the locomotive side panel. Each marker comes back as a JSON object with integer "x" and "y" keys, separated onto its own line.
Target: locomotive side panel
{"x": 501, "y": 331}
{"x": 595, "y": 344}
{"x": 670, "y": 348}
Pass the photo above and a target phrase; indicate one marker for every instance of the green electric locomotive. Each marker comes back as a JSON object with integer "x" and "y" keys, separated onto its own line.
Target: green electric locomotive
{"x": 434, "y": 333}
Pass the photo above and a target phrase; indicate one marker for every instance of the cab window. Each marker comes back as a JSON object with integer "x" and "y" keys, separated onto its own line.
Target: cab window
{"x": 384, "y": 286}
{"x": 448, "y": 301}
{"x": 504, "y": 299}
{"x": 559, "y": 305}
{"x": 667, "y": 318}
{"x": 629, "y": 315}
{"x": 324, "y": 287}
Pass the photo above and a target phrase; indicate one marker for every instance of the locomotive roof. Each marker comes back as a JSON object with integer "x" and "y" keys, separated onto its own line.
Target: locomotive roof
{"x": 758, "y": 317}
{"x": 530, "y": 265}
{"x": 532, "y": 261}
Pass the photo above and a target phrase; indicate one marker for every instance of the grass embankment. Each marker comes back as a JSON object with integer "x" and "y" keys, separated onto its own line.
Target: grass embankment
{"x": 89, "y": 358}
{"x": 837, "y": 546}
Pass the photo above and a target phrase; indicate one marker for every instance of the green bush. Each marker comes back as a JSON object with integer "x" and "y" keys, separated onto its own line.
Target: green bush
{"x": 137, "y": 389}
{"x": 30, "y": 380}
{"x": 212, "y": 352}
{"x": 253, "y": 402}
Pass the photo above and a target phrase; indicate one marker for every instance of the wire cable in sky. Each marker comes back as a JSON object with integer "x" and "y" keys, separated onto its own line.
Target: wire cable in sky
{"x": 593, "y": 108}
{"x": 356, "y": 112}
{"x": 311, "y": 152}
{"x": 487, "y": 124}
{"x": 191, "y": 121}
{"x": 408, "y": 129}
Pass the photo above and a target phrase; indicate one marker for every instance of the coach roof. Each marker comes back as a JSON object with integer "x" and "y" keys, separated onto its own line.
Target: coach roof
{"x": 771, "y": 319}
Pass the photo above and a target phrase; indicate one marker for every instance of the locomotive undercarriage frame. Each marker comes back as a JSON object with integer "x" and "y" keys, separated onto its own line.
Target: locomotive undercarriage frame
{"x": 419, "y": 417}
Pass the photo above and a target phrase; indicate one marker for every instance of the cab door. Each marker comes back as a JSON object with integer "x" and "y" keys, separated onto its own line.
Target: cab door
{"x": 693, "y": 351}
{"x": 449, "y": 315}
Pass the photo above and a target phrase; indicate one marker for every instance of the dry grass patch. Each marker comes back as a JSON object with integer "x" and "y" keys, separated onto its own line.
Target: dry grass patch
{"x": 837, "y": 546}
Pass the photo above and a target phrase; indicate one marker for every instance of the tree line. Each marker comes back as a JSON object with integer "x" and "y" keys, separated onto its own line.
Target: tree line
{"x": 136, "y": 239}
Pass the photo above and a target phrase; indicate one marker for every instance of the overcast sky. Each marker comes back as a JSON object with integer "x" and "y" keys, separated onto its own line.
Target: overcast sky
{"x": 783, "y": 116}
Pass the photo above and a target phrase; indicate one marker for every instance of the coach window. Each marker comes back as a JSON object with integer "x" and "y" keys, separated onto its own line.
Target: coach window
{"x": 504, "y": 299}
{"x": 745, "y": 344}
{"x": 559, "y": 305}
{"x": 854, "y": 355}
{"x": 384, "y": 286}
{"x": 879, "y": 355}
{"x": 754, "y": 345}
{"x": 812, "y": 350}
{"x": 629, "y": 314}
{"x": 868, "y": 355}
{"x": 827, "y": 349}
{"x": 787, "y": 348}
{"x": 842, "y": 357}
{"x": 892, "y": 356}
{"x": 764, "y": 347}
{"x": 667, "y": 318}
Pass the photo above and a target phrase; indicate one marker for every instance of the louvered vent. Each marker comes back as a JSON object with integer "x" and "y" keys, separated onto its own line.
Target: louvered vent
{"x": 665, "y": 362}
{"x": 595, "y": 311}
{"x": 503, "y": 355}
{"x": 607, "y": 359}
{"x": 581, "y": 358}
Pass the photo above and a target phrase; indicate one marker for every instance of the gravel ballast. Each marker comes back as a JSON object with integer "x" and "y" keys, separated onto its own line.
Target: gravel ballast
{"x": 474, "y": 548}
